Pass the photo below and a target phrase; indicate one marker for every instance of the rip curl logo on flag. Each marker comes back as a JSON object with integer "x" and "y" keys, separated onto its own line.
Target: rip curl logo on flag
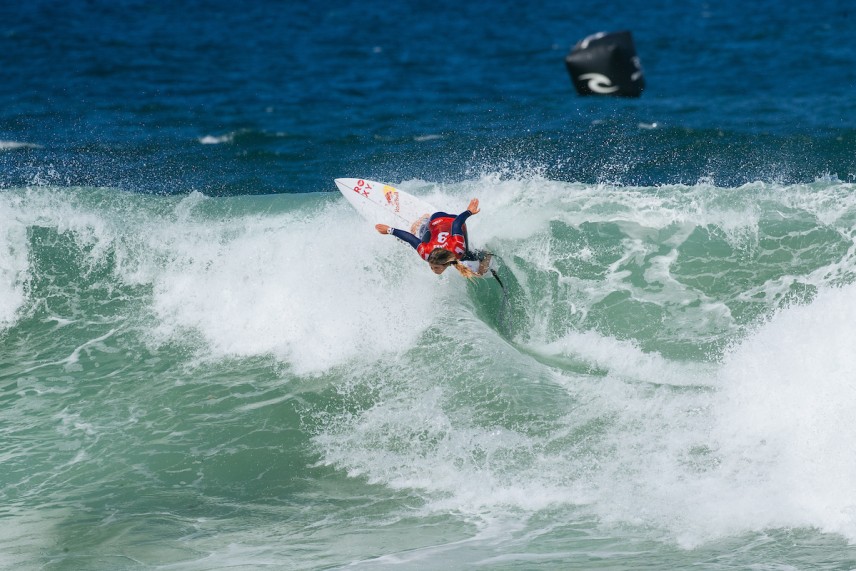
{"x": 606, "y": 63}
{"x": 599, "y": 83}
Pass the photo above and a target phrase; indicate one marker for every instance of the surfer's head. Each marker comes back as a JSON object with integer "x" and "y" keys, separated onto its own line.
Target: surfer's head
{"x": 440, "y": 259}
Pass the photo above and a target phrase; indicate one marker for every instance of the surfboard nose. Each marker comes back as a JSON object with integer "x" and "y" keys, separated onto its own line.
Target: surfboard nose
{"x": 344, "y": 183}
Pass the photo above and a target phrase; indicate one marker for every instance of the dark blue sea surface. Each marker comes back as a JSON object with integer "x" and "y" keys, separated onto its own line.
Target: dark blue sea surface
{"x": 287, "y": 95}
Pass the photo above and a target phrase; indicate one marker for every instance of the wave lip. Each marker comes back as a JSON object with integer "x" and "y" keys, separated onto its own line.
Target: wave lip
{"x": 14, "y": 145}
{"x": 217, "y": 139}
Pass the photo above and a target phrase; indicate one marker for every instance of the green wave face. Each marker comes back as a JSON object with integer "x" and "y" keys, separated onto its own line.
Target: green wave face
{"x": 177, "y": 369}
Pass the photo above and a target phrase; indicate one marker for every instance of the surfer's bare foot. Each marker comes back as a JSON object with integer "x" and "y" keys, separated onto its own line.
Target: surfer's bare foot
{"x": 414, "y": 228}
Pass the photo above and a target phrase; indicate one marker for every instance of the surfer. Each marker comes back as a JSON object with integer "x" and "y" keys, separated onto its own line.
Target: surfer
{"x": 443, "y": 242}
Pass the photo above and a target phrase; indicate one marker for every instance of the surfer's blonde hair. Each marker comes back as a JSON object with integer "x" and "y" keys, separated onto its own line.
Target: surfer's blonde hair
{"x": 443, "y": 257}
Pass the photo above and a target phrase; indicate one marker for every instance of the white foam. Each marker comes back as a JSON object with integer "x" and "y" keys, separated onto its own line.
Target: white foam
{"x": 623, "y": 359}
{"x": 14, "y": 264}
{"x": 12, "y": 145}
{"x": 217, "y": 139}
{"x": 313, "y": 286}
{"x": 21, "y": 209}
{"x": 764, "y": 440}
{"x": 770, "y": 448}
{"x": 312, "y": 289}
{"x": 784, "y": 422}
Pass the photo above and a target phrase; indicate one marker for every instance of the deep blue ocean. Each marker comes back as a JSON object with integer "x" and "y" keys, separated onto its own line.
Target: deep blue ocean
{"x": 208, "y": 360}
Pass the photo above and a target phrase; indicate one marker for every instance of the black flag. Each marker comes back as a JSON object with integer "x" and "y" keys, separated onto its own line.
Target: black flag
{"x": 606, "y": 64}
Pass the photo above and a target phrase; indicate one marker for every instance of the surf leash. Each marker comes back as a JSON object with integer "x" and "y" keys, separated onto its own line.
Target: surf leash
{"x": 502, "y": 317}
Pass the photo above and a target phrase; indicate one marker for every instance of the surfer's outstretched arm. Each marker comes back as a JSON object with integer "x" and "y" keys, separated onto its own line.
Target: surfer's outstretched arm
{"x": 460, "y": 219}
{"x": 458, "y": 223}
{"x": 400, "y": 234}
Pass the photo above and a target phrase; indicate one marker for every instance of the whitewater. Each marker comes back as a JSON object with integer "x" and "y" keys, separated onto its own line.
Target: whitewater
{"x": 191, "y": 382}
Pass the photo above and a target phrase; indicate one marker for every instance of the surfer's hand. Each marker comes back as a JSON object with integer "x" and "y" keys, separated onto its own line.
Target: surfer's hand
{"x": 382, "y": 228}
{"x": 474, "y": 206}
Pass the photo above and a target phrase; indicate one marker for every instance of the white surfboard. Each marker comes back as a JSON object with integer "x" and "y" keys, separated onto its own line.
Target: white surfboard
{"x": 381, "y": 203}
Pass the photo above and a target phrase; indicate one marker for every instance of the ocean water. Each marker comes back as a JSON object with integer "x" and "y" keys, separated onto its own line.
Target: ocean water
{"x": 208, "y": 360}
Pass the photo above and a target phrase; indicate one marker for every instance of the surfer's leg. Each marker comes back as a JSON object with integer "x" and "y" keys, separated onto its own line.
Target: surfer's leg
{"x": 420, "y": 227}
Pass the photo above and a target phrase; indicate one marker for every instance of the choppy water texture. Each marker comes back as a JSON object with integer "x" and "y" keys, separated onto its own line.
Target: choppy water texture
{"x": 209, "y": 361}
